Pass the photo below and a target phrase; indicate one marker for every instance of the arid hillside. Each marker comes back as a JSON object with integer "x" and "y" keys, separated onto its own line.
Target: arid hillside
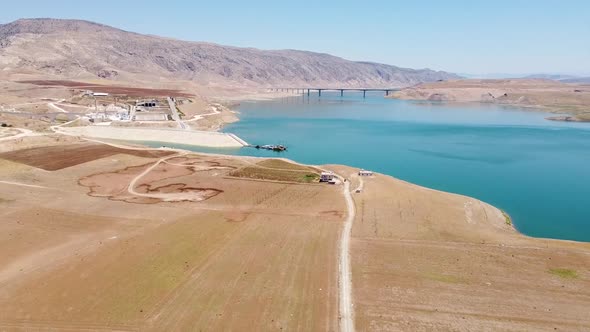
{"x": 98, "y": 237}
{"x": 565, "y": 98}
{"x": 86, "y": 51}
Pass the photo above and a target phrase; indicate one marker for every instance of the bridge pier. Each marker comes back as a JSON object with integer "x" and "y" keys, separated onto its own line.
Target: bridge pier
{"x": 341, "y": 93}
{"x": 386, "y": 93}
{"x": 364, "y": 93}
{"x": 308, "y": 92}
{"x": 319, "y": 92}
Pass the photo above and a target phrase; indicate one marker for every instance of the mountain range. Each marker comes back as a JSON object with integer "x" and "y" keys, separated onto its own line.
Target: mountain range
{"x": 82, "y": 50}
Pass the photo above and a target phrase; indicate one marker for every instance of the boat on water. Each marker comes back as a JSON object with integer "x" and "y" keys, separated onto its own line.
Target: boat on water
{"x": 277, "y": 148}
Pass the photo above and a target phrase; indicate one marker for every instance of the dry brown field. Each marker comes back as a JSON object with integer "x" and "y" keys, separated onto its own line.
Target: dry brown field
{"x": 51, "y": 158}
{"x": 153, "y": 241}
{"x": 278, "y": 170}
{"x": 78, "y": 256}
{"x": 424, "y": 260}
{"x": 547, "y": 95}
{"x": 112, "y": 89}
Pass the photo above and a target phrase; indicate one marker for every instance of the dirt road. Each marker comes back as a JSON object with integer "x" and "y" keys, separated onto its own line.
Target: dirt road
{"x": 164, "y": 197}
{"x": 57, "y": 108}
{"x": 346, "y": 309}
{"x": 175, "y": 115}
{"x": 23, "y": 133}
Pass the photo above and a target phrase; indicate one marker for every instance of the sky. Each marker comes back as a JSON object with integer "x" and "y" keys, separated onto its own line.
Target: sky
{"x": 467, "y": 37}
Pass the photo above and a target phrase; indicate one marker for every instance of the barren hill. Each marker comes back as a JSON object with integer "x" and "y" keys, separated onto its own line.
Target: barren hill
{"x": 554, "y": 96}
{"x": 85, "y": 50}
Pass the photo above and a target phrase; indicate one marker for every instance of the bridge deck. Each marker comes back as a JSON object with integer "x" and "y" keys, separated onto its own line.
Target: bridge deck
{"x": 319, "y": 90}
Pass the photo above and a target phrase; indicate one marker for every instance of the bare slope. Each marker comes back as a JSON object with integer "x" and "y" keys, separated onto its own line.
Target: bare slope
{"x": 425, "y": 260}
{"x": 80, "y": 252}
{"x": 549, "y": 95}
{"x": 80, "y": 49}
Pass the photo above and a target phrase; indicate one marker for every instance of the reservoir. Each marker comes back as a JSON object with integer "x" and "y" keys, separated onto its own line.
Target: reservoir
{"x": 536, "y": 170}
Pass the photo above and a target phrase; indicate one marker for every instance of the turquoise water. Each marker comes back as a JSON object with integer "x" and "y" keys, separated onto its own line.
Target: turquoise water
{"x": 536, "y": 170}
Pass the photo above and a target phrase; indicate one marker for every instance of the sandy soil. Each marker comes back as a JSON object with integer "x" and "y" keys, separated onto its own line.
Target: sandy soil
{"x": 83, "y": 252}
{"x": 424, "y": 260}
{"x": 10, "y": 133}
{"x": 548, "y": 95}
{"x": 36, "y": 140}
{"x": 258, "y": 254}
{"x": 191, "y": 137}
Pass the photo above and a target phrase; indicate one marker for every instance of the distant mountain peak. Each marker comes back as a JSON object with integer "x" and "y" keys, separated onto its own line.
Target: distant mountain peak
{"x": 52, "y": 25}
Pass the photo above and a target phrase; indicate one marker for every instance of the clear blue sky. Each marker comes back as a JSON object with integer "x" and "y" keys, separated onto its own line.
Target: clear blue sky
{"x": 474, "y": 36}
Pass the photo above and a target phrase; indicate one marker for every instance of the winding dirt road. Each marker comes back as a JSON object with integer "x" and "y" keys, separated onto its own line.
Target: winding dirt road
{"x": 171, "y": 197}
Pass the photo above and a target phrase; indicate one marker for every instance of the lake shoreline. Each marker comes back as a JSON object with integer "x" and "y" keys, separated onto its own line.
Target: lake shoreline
{"x": 510, "y": 226}
{"x": 293, "y": 123}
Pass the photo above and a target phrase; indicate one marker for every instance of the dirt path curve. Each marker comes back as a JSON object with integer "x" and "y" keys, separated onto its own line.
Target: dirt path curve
{"x": 346, "y": 307}
{"x": 202, "y": 116}
{"x": 23, "y": 133}
{"x": 164, "y": 197}
{"x": 56, "y": 128}
{"x": 57, "y": 108}
{"x": 24, "y": 185}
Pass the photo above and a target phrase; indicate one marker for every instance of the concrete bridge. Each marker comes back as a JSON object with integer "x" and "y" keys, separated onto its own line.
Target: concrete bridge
{"x": 319, "y": 90}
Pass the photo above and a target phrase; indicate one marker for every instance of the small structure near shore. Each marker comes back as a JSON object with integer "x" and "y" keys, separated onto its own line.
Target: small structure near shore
{"x": 327, "y": 176}
{"x": 363, "y": 172}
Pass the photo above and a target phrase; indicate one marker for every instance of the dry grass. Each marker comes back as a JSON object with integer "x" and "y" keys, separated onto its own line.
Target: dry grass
{"x": 278, "y": 170}
{"x": 564, "y": 273}
{"x": 253, "y": 172}
{"x": 263, "y": 254}
{"x": 259, "y": 254}
{"x": 430, "y": 261}
{"x": 285, "y": 165}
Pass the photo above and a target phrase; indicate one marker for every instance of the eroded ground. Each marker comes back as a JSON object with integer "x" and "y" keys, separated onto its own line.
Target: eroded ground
{"x": 80, "y": 252}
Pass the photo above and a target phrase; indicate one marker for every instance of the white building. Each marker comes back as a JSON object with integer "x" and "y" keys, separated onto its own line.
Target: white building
{"x": 326, "y": 176}
{"x": 363, "y": 172}
{"x": 100, "y": 94}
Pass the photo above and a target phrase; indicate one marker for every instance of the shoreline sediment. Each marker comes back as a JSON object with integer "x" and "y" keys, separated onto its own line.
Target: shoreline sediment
{"x": 212, "y": 139}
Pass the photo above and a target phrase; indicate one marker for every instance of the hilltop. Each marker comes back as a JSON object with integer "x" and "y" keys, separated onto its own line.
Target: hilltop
{"x": 88, "y": 51}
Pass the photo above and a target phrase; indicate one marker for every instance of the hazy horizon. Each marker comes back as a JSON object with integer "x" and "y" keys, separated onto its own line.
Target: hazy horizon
{"x": 476, "y": 39}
